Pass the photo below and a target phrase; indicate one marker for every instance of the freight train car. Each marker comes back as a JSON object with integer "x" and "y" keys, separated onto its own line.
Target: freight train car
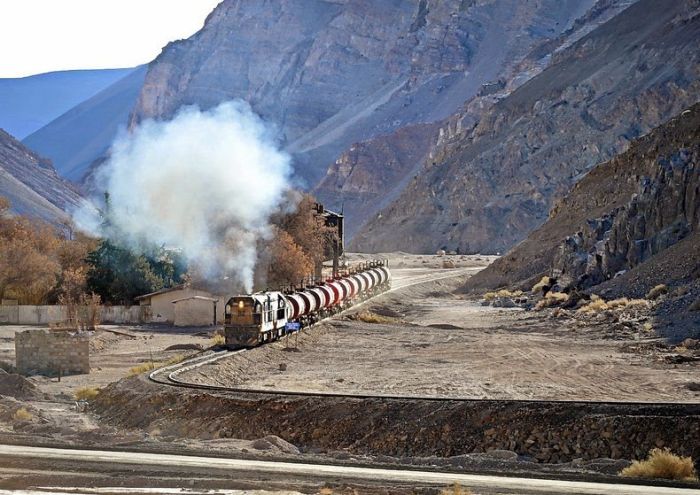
{"x": 254, "y": 319}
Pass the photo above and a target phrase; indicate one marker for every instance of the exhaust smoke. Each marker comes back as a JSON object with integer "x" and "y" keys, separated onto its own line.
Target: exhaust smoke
{"x": 205, "y": 182}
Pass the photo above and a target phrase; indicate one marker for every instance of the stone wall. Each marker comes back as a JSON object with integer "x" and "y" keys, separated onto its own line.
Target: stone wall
{"x": 43, "y": 351}
{"x": 43, "y": 315}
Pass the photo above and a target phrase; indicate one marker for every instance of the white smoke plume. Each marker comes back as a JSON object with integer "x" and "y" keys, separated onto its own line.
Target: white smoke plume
{"x": 205, "y": 182}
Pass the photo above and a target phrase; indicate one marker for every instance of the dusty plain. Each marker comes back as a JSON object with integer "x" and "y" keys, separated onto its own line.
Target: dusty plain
{"x": 431, "y": 341}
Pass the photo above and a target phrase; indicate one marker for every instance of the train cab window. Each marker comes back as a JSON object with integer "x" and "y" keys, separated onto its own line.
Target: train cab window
{"x": 280, "y": 311}
{"x": 257, "y": 313}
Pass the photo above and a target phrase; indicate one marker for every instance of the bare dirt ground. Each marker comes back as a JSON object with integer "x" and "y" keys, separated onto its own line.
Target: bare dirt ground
{"x": 435, "y": 343}
{"x": 431, "y": 342}
{"x": 114, "y": 350}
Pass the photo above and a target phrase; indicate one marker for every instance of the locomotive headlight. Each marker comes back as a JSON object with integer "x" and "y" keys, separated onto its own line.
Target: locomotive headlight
{"x": 240, "y": 305}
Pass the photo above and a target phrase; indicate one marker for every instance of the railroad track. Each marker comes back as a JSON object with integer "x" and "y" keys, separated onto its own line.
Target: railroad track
{"x": 170, "y": 375}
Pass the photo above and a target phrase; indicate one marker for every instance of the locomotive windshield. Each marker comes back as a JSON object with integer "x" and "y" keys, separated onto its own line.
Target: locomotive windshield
{"x": 243, "y": 311}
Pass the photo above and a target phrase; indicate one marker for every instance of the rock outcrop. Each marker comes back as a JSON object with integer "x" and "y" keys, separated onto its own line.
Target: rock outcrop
{"x": 332, "y": 73}
{"x": 625, "y": 213}
{"x": 493, "y": 177}
{"x": 31, "y": 183}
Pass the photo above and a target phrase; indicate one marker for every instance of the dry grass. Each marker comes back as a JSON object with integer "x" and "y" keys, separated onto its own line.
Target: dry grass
{"x": 152, "y": 365}
{"x": 662, "y": 463}
{"x": 22, "y": 414}
{"x": 544, "y": 281}
{"x": 551, "y": 299}
{"x": 455, "y": 489}
{"x": 657, "y": 291}
{"x": 371, "y": 317}
{"x": 624, "y": 302}
{"x": 503, "y": 293}
{"x": 218, "y": 339}
{"x": 86, "y": 393}
{"x": 598, "y": 304}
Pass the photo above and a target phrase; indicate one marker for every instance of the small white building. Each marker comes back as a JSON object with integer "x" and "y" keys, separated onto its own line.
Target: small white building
{"x": 195, "y": 311}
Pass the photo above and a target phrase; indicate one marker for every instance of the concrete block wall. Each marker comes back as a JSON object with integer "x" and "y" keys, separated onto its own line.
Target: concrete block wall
{"x": 123, "y": 314}
{"x": 43, "y": 315}
{"x": 9, "y": 314}
{"x": 47, "y": 352}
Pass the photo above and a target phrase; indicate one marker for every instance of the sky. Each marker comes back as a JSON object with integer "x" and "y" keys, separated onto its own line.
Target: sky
{"x": 40, "y": 36}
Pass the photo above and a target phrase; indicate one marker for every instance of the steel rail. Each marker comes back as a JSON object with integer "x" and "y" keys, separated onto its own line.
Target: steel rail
{"x": 207, "y": 358}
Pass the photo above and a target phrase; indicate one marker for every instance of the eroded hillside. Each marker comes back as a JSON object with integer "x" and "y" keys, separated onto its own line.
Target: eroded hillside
{"x": 31, "y": 183}
{"x": 329, "y": 74}
{"x": 487, "y": 185}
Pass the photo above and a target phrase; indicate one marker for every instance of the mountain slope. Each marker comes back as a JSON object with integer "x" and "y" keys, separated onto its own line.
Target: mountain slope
{"x": 371, "y": 174}
{"x": 84, "y": 133}
{"x": 28, "y": 103}
{"x": 332, "y": 73}
{"x": 487, "y": 185}
{"x": 621, "y": 214}
{"x": 31, "y": 183}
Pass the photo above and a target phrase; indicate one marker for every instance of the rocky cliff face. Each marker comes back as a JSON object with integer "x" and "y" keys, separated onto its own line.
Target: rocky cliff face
{"x": 624, "y": 214}
{"x": 332, "y": 73}
{"x": 31, "y": 183}
{"x": 371, "y": 174}
{"x": 664, "y": 209}
{"x": 493, "y": 176}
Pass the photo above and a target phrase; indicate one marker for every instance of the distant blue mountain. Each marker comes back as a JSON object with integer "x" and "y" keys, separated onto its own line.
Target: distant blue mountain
{"x": 29, "y": 103}
{"x": 74, "y": 140}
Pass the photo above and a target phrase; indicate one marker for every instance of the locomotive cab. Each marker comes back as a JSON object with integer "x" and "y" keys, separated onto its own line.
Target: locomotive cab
{"x": 253, "y": 319}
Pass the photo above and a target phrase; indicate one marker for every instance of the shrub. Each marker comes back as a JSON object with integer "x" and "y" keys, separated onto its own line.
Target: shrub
{"x": 86, "y": 393}
{"x": 544, "y": 282}
{"x": 596, "y": 305}
{"x": 22, "y": 414}
{"x": 152, "y": 365}
{"x": 142, "y": 368}
{"x": 624, "y": 302}
{"x": 662, "y": 463}
{"x": 503, "y": 293}
{"x": 551, "y": 299}
{"x": 371, "y": 317}
{"x": 657, "y": 291}
{"x": 218, "y": 339}
{"x": 637, "y": 303}
{"x": 456, "y": 489}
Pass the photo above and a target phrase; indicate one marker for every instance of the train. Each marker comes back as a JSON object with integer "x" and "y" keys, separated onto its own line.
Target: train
{"x": 254, "y": 319}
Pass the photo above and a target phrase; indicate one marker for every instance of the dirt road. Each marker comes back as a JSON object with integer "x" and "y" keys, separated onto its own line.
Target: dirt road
{"x": 113, "y": 462}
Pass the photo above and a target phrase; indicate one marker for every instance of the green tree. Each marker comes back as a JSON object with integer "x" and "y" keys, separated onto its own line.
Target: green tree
{"x": 118, "y": 275}
{"x": 168, "y": 265}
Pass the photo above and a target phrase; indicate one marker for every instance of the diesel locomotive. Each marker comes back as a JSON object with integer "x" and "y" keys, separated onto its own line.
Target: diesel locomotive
{"x": 254, "y": 319}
